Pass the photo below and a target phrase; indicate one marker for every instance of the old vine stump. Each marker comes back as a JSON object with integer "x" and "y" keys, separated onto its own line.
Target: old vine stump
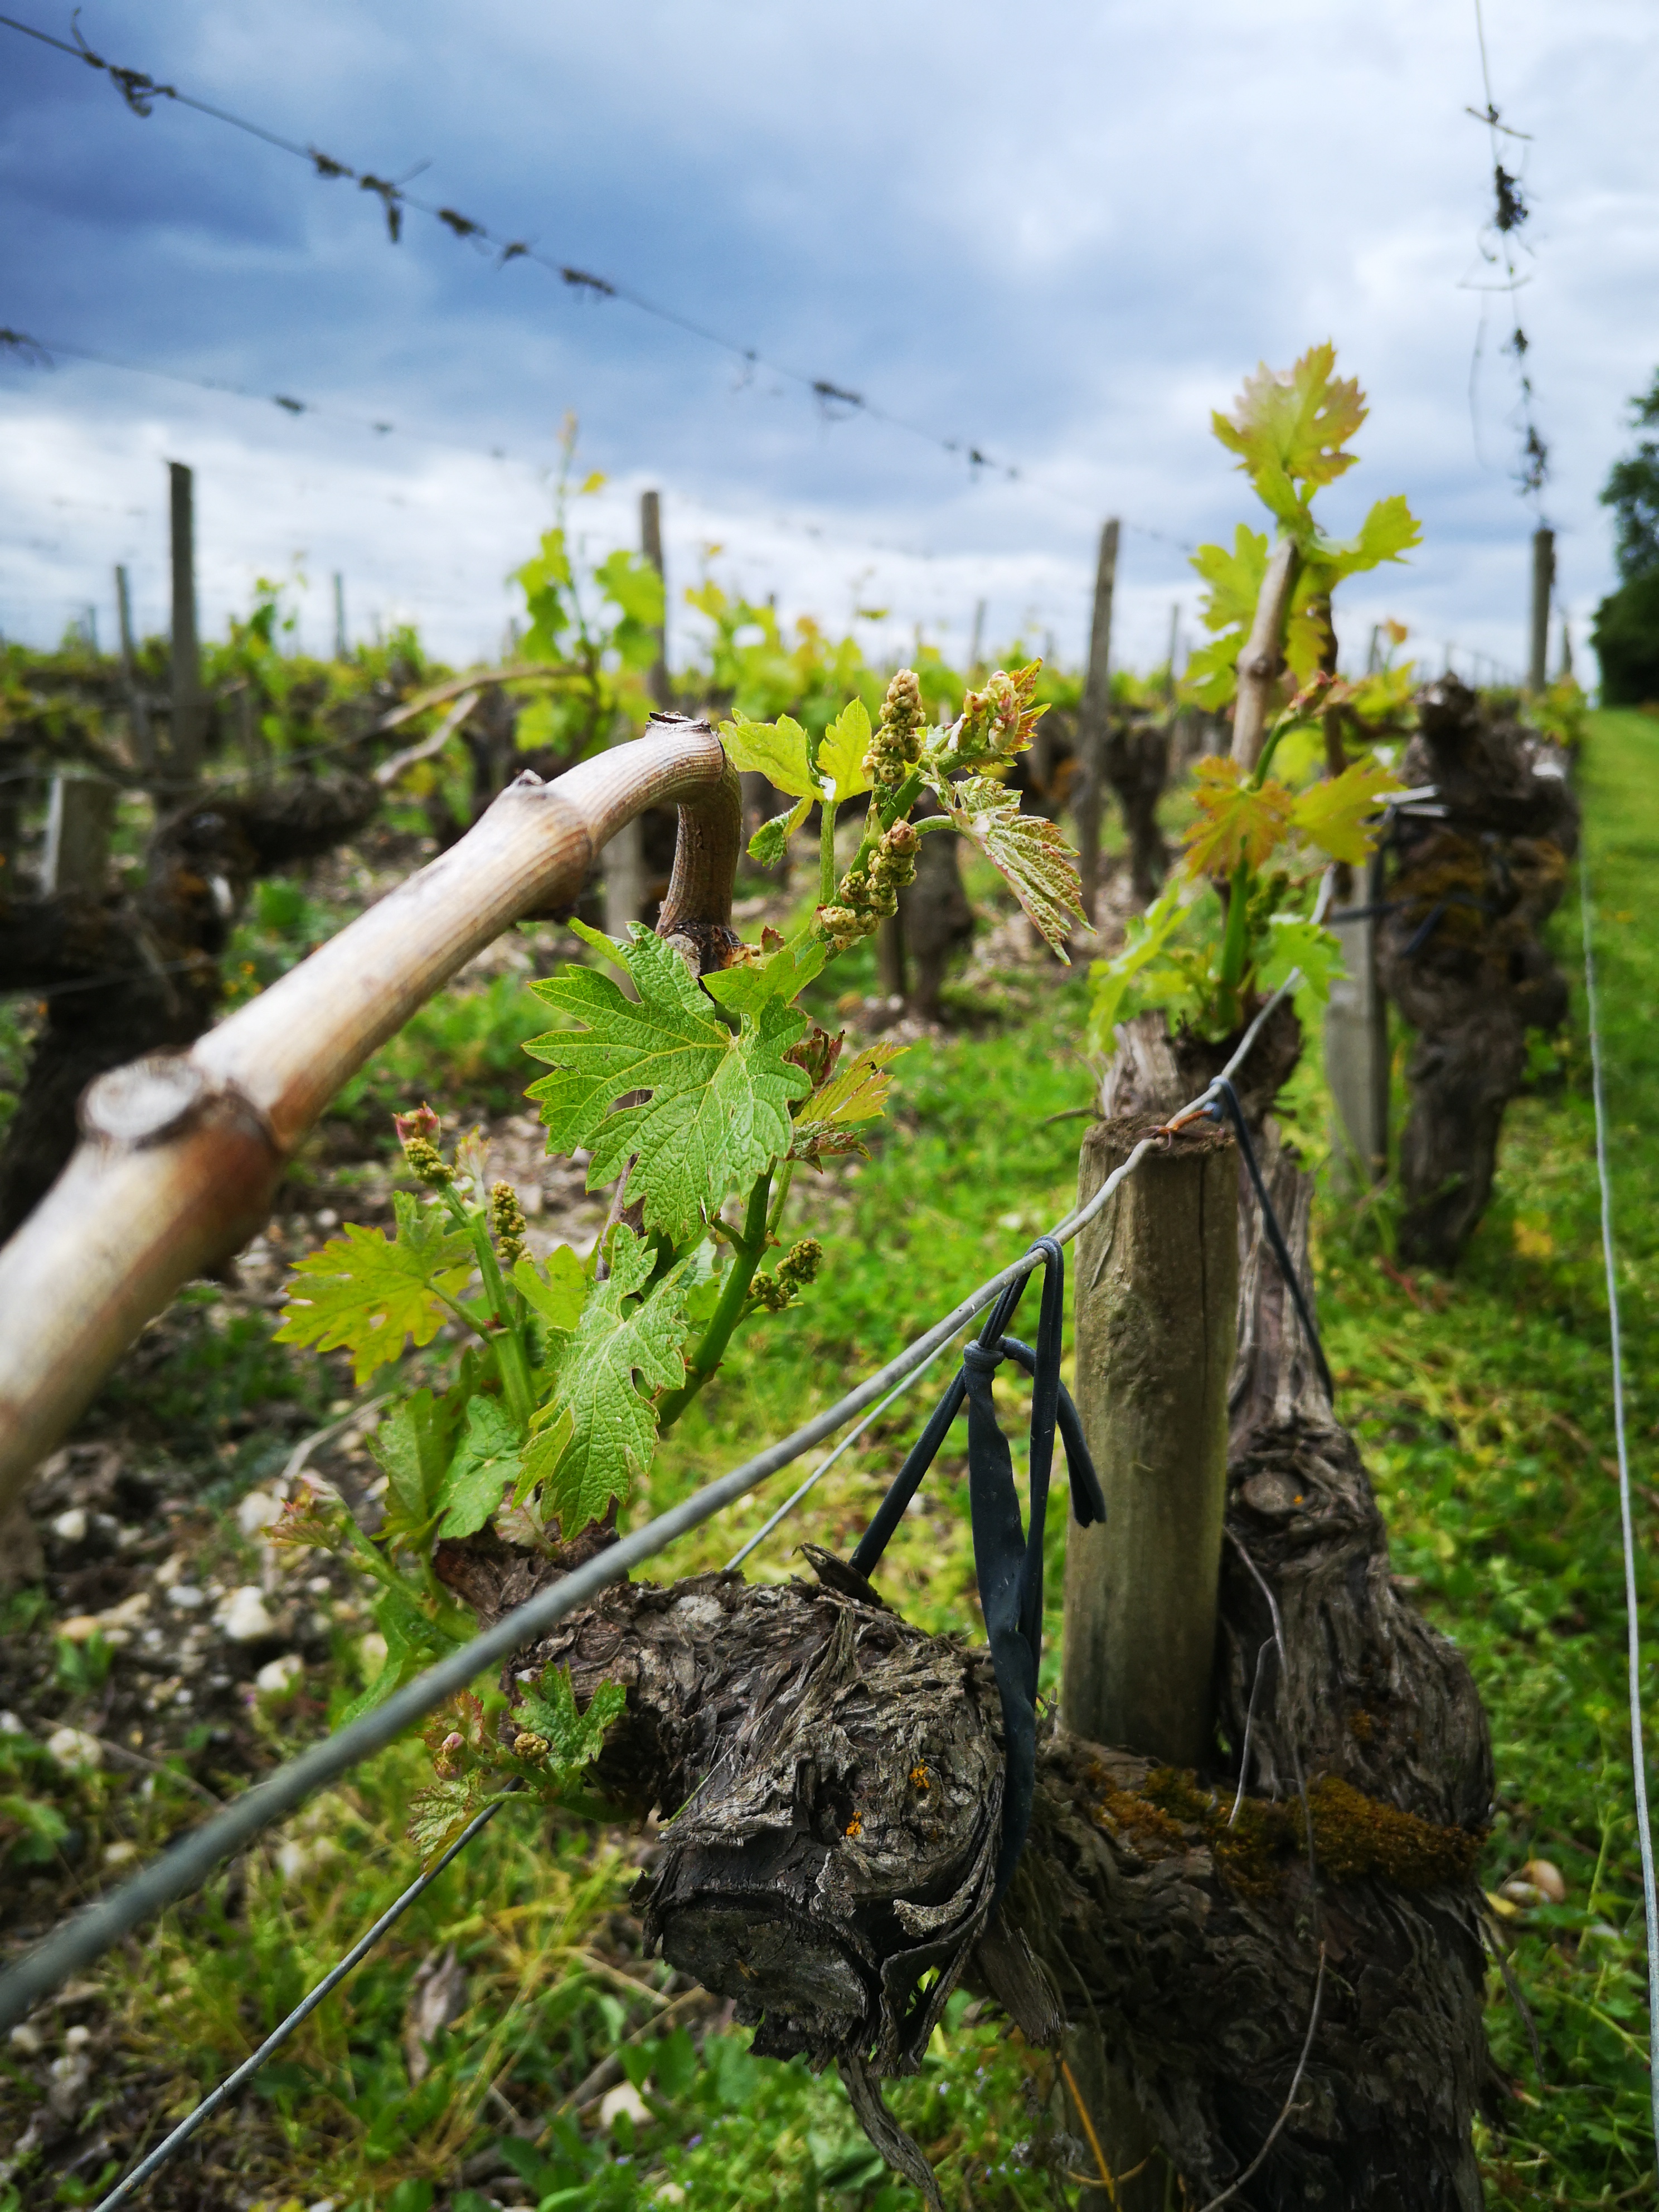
{"x": 835, "y": 1776}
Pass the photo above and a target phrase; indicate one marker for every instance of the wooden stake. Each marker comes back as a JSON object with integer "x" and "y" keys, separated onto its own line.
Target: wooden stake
{"x": 185, "y": 738}
{"x": 341, "y": 647}
{"x": 181, "y": 1153}
{"x": 144, "y": 737}
{"x": 1543, "y": 584}
{"x": 1357, "y": 1046}
{"x": 1156, "y": 1300}
{"x": 80, "y": 815}
{"x": 1263, "y": 656}
{"x": 651, "y": 546}
{"x": 1094, "y": 710}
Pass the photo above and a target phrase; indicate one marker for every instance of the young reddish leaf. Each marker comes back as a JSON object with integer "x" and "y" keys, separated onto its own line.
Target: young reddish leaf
{"x": 855, "y": 1093}
{"x": 1026, "y": 850}
{"x": 1291, "y": 426}
{"x": 1236, "y": 822}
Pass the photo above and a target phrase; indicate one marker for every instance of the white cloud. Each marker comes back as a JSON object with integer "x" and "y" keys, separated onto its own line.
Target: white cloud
{"x": 1066, "y": 234}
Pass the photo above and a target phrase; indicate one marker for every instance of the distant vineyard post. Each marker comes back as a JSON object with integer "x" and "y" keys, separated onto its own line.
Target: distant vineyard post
{"x": 1094, "y": 711}
{"x": 1356, "y": 1064}
{"x": 1157, "y": 1302}
{"x": 185, "y": 734}
{"x": 1543, "y": 588}
{"x": 624, "y": 857}
{"x": 142, "y": 737}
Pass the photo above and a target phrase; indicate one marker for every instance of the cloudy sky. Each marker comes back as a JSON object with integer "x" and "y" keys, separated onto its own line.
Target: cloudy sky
{"x": 1057, "y": 233}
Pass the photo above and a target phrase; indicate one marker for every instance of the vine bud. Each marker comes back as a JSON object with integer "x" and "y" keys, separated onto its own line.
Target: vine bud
{"x": 415, "y": 1133}
{"x": 529, "y": 1746}
{"x": 800, "y": 1264}
{"x": 446, "y": 1760}
{"x": 507, "y": 1222}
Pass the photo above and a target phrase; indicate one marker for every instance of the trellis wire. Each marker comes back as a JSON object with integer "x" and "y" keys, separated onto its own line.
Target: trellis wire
{"x": 278, "y": 2036}
{"x": 1632, "y": 1620}
{"x": 82, "y": 1940}
{"x": 825, "y": 1464}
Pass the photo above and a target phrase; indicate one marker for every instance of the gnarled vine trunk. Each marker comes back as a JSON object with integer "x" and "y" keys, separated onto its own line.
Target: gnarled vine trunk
{"x": 122, "y": 977}
{"x": 836, "y": 1779}
{"x": 1136, "y": 761}
{"x": 1460, "y": 951}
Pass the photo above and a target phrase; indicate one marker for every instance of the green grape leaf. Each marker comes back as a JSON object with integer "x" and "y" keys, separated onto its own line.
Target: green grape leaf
{"x": 776, "y": 751}
{"x": 1388, "y": 533}
{"x": 717, "y": 1106}
{"x": 623, "y": 1344}
{"x": 781, "y": 974}
{"x": 486, "y": 1461}
{"x": 1235, "y": 579}
{"x": 364, "y": 1292}
{"x": 438, "y": 1813}
{"x": 1228, "y": 609}
{"x": 1235, "y": 820}
{"x": 1211, "y": 676}
{"x": 1333, "y": 813}
{"x": 411, "y": 1641}
{"x": 415, "y": 1446}
{"x": 1294, "y": 944}
{"x": 1146, "y": 935}
{"x": 1026, "y": 850}
{"x": 634, "y": 585}
{"x": 771, "y": 840}
{"x": 841, "y": 750}
{"x": 556, "y": 1290}
{"x": 575, "y": 1740}
{"x": 857, "y": 1092}
{"x": 1291, "y": 426}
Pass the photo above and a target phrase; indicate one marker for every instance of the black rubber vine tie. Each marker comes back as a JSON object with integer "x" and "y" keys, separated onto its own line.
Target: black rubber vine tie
{"x": 1227, "y": 1096}
{"x": 1007, "y": 1556}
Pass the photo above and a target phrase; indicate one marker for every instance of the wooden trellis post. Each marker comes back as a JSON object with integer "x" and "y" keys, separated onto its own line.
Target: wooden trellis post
{"x": 1157, "y": 1299}
{"x": 1094, "y": 712}
{"x": 1357, "y": 1043}
{"x": 185, "y": 735}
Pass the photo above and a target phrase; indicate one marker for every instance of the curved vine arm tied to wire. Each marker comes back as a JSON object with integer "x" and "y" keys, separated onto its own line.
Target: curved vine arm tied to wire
{"x": 181, "y": 1153}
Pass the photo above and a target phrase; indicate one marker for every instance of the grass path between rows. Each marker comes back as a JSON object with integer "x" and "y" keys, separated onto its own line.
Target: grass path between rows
{"x": 1483, "y": 1405}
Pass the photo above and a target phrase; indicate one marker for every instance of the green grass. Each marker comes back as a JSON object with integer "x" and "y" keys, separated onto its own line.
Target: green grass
{"x": 1482, "y": 1402}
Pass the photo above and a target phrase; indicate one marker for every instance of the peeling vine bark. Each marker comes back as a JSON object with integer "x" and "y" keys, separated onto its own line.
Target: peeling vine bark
{"x": 1461, "y": 953}
{"x": 834, "y": 1778}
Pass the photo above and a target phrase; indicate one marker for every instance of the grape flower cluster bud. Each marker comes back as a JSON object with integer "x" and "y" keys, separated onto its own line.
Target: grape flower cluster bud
{"x": 797, "y": 1268}
{"x": 416, "y": 1131}
{"x": 507, "y": 1223}
{"x": 896, "y": 740}
{"x": 997, "y": 722}
{"x": 869, "y": 890}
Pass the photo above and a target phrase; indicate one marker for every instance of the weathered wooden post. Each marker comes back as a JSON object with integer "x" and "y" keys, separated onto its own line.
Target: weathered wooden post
{"x": 1357, "y": 1043}
{"x": 341, "y": 647}
{"x": 1156, "y": 1300}
{"x": 625, "y": 856}
{"x": 651, "y": 546}
{"x": 143, "y": 737}
{"x": 184, "y": 737}
{"x": 80, "y": 815}
{"x": 1093, "y": 714}
{"x": 1543, "y": 587}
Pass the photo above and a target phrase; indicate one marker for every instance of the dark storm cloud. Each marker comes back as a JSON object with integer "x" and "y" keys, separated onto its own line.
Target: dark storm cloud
{"x": 1061, "y": 235}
